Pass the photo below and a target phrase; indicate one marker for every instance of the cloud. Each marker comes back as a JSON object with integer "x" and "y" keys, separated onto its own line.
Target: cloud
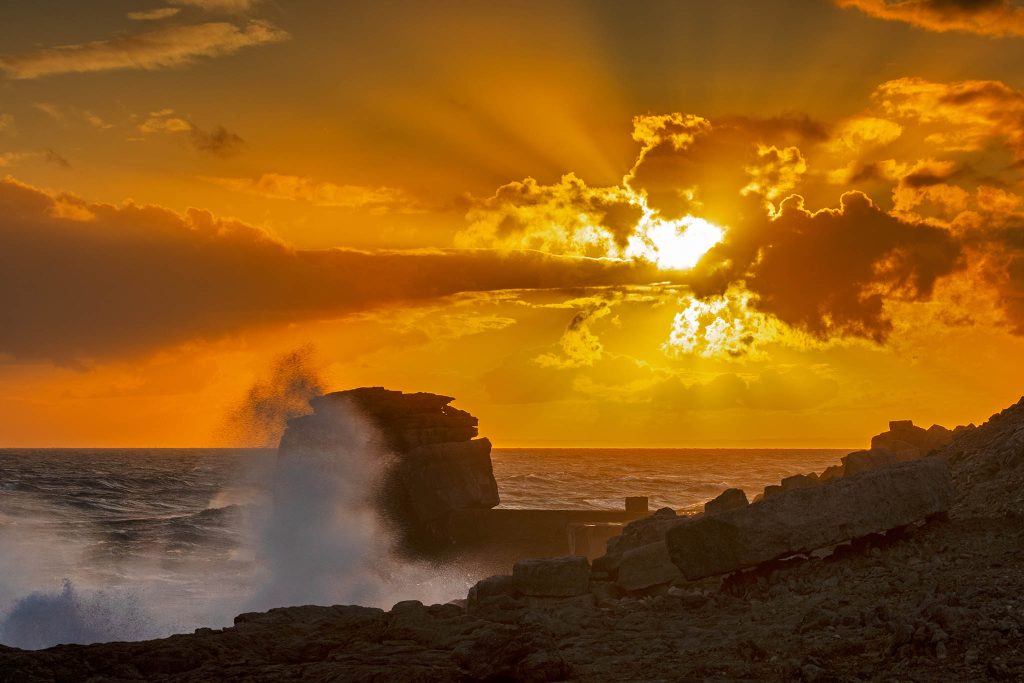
{"x": 53, "y": 158}
{"x": 798, "y": 388}
{"x": 726, "y": 325}
{"x": 218, "y": 141}
{"x": 166, "y": 47}
{"x": 6, "y": 123}
{"x": 997, "y": 18}
{"x": 82, "y": 280}
{"x": 568, "y": 217}
{"x": 579, "y": 346}
{"x": 966, "y": 115}
{"x": 689, "y": 165}
{"x": 830, "y": 272}
{"x": 218, "y": 5}
{"x": 154, "y": 14}
{"x": 322, "y": 193}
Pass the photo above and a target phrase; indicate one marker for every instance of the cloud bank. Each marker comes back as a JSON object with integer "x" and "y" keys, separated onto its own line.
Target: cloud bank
{"x": 81, "y": 280}
{"x": 998, "y": 18}
{"x": 165, "y": 47}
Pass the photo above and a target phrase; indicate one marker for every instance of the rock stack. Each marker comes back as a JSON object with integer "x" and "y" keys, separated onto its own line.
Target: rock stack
{"x": 436, "y": 465}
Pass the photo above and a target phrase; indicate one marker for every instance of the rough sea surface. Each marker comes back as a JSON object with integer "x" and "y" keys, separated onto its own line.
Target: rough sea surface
{"x": 104, "y": 544}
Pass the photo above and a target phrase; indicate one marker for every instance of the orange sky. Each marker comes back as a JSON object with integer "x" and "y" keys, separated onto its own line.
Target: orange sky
{"x": 732, "y": 223}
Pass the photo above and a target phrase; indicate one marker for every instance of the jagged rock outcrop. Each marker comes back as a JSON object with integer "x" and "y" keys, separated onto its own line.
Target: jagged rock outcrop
{"x": 552, "y": 577}
{"x": 803, "y": 519}
{"x": 907, "y": 441}
{"x": 987, "y": 464}
{"x": 634, "y": 535}
{"x": 937, "y": 602}
{"x": 435, "y": 463}
{"x": 729, "y": 499}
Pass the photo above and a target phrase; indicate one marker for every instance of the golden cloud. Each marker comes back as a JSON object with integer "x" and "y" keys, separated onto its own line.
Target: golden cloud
{"x": 85, "y": 280}
{"x": 998, "y": 18}
{"x": 322, "y": 193}
{"x": 161, "y": 48}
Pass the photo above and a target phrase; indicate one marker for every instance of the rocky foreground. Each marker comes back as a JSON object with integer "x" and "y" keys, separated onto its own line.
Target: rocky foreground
{"x": 929, "y": 588}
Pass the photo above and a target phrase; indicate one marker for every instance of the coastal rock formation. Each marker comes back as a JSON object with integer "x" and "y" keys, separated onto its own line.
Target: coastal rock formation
{"x": 552, "y": 577}
{"x": 436, "y": 465}
{"x": 635, "y": 535}
{"x": 908, "y": 441}
{"x": 802, "y": 519}
{"x": 729, "y": 499}
{"x": 987, "y": 463}
{"x": 934, "y": 601}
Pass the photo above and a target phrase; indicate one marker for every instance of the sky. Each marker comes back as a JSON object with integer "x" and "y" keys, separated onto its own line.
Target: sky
{"x": 738, "y": 223}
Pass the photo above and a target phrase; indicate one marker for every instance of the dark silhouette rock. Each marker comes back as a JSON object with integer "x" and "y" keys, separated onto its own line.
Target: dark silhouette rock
{"x": 868, "y": 461}
{"x": 634, "y": 535}
{"x": 435, "y": 463}
{"x": 729, "y": 499}
{"x": 799, "y": 481}
{"x": 801, "y": 520}
{"x": 907, "y": 441}
{"x": 645, "y": 567}
{"x": 552, "y": 577}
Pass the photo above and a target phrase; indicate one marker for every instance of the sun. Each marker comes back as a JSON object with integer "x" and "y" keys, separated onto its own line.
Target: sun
{"x": 674, "y": 245}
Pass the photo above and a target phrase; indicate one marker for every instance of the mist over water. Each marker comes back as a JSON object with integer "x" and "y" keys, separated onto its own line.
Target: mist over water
{"x": 100, "y": 545}
{"x": 135, "y": 544}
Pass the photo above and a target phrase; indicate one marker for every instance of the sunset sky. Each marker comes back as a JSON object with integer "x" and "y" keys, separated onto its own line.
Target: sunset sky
{"x": 595, "y": 223}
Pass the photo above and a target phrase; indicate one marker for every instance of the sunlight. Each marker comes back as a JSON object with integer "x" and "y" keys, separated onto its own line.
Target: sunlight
{"x": 674, "y": 245}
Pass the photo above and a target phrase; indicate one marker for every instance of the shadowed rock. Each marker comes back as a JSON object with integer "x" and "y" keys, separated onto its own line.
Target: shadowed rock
{"x": 634, "y": 535}
{"x": 907, "y": 441}
{"x": 435, "y": 465}
{"x": 645, "y": 567}
{"x": 801, "y": 520}
{"x": 552, "y": 577}
{"x": 867, "y": 461}
{"x": 729, "y": 499}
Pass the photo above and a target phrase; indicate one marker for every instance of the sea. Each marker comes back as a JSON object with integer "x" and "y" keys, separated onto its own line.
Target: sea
{"x": 129, "y": 544}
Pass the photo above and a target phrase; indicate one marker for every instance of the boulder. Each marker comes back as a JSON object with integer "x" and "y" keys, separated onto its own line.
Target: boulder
{"x": 729, "y": 499}
{"x": 801, "y": 520}
{"x": 434, "y": 464}
{"x": 832, "y": 472}
{"x": 799, "y": 481}
{"x": 646, "y": 566}
{"x": 908, "y": 441}
{"x": 492, "y": 586}
{"x": 552, "y": 577}
{"x": 867, "y": 461}
{"x": 636, "y": 534}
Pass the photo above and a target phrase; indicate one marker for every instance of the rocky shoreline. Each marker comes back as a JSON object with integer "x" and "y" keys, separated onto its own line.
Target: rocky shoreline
{"x": 906, "y": 566}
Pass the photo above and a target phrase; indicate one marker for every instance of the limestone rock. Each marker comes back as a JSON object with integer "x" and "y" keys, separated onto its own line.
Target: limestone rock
{"x": 908, "y": 441}
{"x": 435, "y": 465}
{"x": 552, "y": 577}
{"x": 867, "y": 461}
{"x": 636, "y": 534}
{"x": 646, "y": 566}
{"x": 799, "y": 481}
{"x": 729, "y": 499}
{"x": 801, "y": 520}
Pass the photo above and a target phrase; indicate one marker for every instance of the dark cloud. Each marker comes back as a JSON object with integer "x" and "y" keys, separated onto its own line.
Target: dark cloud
{"x": 81, "y": 280}
{"x": 54, "y": 158}
{"x": 219, "y": 141}
{"x": 830, "y": 272}
{"x": 984, "y": 17}
{"x": 689, "y": 165}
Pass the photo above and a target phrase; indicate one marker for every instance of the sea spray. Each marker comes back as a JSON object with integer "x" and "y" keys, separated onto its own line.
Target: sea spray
{"x": 43, "y": 619}
{"x": 284, "y": 392}
{"x": 307, "y": 533}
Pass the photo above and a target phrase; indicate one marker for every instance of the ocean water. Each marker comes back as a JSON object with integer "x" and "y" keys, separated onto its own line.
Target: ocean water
{"x": 115, "y": 544}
